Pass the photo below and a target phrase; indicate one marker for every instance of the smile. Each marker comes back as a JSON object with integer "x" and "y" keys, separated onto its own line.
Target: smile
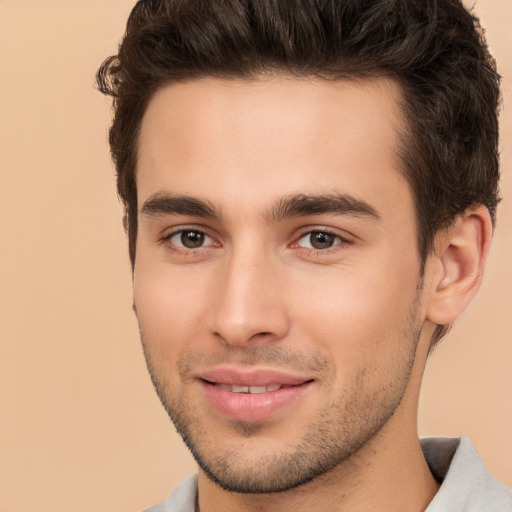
{"x": 250, "y": 389}
{"x": 252, "y": 396}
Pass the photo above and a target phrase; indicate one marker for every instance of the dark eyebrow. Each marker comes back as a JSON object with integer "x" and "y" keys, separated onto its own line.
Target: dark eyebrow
{"x": 299, "y": 205}
{"x": 162, "y": 203}
{"x": 303, "y": 205}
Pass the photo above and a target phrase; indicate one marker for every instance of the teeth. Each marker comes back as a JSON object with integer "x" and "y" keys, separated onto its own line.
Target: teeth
{"x": 257, "y": 389}
{"x": 249, "y": 389}
{"x": 240, "y": 389}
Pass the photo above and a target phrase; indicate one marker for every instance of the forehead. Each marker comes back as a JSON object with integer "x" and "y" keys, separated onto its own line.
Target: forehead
{"x": 269, "y": 137}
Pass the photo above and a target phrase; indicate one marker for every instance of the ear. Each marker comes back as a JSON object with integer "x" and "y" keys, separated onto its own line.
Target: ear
{"x": 459, "y": 260}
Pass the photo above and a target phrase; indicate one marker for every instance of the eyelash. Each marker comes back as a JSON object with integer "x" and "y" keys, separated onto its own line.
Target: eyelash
{"x": 341, "y": 241}
{"x": 166, "y": 239}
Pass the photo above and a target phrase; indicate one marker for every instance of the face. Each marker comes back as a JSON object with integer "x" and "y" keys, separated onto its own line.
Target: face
{"x": 276, "y": 279}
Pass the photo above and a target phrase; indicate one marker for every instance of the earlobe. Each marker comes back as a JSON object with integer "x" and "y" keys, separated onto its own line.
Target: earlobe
{"x": 460, "y": 256}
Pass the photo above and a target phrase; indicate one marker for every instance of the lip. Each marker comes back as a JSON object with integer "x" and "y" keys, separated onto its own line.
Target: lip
{"x": 252, "y": 377}
{"x": 249, "y": 407}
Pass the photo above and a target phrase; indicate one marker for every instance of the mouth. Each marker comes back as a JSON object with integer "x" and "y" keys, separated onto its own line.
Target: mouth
{"x": 253, "y": 396}
{"x": 254, "y": 390}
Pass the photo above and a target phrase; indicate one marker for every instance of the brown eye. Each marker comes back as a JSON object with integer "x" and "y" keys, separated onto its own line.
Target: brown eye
{"x": 319, "y": 240}
{"x": 186, "y": 240}
{"x": 192, "y": 239}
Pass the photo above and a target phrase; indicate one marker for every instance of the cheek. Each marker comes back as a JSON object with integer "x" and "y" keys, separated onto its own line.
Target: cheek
{"x": 170, "y": 306}
{"x": 369, "y": 335}
{"x": 359, "y": 311}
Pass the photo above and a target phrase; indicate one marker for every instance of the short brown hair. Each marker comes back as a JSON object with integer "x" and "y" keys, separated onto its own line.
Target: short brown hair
{"x": 435, "y": 50}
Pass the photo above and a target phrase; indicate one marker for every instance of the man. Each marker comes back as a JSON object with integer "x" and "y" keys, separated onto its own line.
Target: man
{"x": 310, "y": 191}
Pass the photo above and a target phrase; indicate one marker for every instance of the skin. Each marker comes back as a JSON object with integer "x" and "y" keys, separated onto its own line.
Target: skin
{"x": 355, "y": 317}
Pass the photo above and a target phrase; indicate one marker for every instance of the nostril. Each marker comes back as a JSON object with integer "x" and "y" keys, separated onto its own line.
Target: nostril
{"x": 260, "y": 334}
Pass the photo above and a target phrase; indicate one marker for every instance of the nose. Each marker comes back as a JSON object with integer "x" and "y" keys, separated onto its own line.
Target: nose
{"x": 249, "y": 305}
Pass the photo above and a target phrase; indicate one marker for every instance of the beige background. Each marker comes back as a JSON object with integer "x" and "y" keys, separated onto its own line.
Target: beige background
{"x": 80, "y": 426}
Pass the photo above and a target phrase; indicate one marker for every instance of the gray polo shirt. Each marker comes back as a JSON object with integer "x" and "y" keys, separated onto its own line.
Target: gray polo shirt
{"x": 466, "y": 486}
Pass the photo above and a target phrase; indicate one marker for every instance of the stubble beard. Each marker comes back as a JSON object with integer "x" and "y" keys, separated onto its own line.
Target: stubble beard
{"x": 340, "y": 431}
